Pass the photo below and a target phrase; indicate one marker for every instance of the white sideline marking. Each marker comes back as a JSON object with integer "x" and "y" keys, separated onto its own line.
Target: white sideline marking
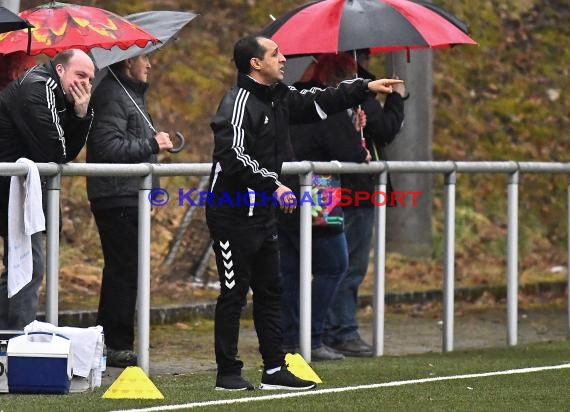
{"x": 346, "y": 389}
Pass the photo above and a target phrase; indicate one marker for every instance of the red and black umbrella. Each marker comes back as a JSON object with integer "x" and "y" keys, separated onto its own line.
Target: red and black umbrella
{"x": 62, "y": 26}
{"x": 332, "y": 26}
{"x": 445, "y": 14}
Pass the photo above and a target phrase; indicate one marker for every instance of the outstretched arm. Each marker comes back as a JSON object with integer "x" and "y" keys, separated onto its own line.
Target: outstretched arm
{"x": 384, "y": 86}
{"x": 313, "y": 104}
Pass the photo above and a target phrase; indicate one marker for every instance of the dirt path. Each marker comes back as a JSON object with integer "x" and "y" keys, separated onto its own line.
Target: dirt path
{"x": 188, "y": 347}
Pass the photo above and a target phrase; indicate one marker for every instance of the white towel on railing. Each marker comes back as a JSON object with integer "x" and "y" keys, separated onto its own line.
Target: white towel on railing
{"x": 25, "y": 217}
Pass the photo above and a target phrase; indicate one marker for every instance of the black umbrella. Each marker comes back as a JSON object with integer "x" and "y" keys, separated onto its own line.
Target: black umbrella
{"x": 10, "y": 22}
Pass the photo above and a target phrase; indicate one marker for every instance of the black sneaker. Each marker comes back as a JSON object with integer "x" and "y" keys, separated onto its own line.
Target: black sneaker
{"x": 284, "y": 379}
{"x": 232, "y": 383}
{"x": 121, "y": 358}
{"x": 354, "y": 347}
{"x": 324, "y": 353}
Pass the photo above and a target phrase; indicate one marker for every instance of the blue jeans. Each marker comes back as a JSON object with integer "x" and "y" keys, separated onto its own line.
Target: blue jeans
{"x": 329, "y": 261}
{"x": 19, "y": 310}
{"x": 341, "y": 324}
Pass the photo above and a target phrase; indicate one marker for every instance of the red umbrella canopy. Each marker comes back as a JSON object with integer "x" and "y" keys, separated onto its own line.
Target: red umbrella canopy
{"x": 62, "y": 26}
{"x": 331, "y": 26}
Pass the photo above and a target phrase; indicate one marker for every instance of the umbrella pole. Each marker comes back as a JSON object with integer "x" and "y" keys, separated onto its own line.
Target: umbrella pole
{"x": 362, "y": 139}
{"x": 29, "y": 48}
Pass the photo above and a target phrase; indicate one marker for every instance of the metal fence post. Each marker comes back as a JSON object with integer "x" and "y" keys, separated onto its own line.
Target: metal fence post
{"x": 512, "y": 258}
{"x": 379, "y": 264}
{"x": 449, "y": 261}
{"x": 52, "y": 248}
{"x": 568, "y": 262}
{"x": 305, "y": 269}
{"x": 143, "y": 296}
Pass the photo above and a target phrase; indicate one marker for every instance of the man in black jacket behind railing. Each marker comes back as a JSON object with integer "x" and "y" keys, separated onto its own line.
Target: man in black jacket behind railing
{"x": 45, "y": 117}
{"x": 382, "y": 125}
{"x": 123, "y": 132}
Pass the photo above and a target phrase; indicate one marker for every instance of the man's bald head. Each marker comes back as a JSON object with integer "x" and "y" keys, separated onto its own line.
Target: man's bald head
{"x": 73, "y": 66}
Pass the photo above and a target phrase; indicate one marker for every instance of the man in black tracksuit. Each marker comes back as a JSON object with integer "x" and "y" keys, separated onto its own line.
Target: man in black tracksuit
{"x": 45, "y": 117}
{"x": 251, "y": 136}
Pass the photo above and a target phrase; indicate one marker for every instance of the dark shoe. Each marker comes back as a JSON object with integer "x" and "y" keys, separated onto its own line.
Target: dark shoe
{"x": 324, "y": 353}
{"x": 284, "y": 379}
{"x": 355, "y": 347}
{"x": 232, "y": 383}
{"x": 121, "y": 358}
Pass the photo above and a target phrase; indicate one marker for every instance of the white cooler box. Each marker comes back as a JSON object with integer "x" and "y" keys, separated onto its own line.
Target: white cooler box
{"x": 39, "y": 362}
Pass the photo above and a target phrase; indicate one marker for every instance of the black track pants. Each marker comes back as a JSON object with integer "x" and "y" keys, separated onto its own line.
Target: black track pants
{"x": 118, "y": 230}
{"x": 248, "y": 258}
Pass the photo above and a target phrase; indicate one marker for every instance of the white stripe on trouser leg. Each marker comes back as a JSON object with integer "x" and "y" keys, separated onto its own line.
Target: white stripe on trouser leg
{"x": 251, "y": 196}
{"x": 228, "y": 264}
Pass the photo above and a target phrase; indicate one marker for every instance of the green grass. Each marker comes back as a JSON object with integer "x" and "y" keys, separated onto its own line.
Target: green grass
{"x": 546, "y": 390}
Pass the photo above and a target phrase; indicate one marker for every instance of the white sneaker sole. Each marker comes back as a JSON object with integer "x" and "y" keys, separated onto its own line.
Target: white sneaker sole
{"x": 267, "y": 387}
{"x": 219, "y": 388}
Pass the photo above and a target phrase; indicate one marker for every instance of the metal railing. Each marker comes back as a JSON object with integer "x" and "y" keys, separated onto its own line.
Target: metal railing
{"x": 450, "y": 169}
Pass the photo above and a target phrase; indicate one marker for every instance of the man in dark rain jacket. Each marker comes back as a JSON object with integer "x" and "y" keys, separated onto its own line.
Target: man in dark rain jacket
{"x": 122, "y": 133}
{"x": 382, "y": 125}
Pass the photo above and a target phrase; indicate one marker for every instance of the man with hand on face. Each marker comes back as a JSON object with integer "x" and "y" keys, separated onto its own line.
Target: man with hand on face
{"x": 251, "y": 141}
{"x": 122, "y": 133}
{"x": 45, "y": 117}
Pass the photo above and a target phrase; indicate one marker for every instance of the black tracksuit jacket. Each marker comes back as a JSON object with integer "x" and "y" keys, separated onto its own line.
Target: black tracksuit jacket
{"x": 251, "y": 137}
{"x": 37, "y": 122}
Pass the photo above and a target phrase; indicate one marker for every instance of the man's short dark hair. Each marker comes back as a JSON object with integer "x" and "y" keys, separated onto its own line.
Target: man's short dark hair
{"x": 63, "y": 57}
{"x": 244, "y": 50}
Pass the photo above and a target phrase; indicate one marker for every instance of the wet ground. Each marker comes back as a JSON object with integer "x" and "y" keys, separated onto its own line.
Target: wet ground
{"x": 188, "y": 347}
